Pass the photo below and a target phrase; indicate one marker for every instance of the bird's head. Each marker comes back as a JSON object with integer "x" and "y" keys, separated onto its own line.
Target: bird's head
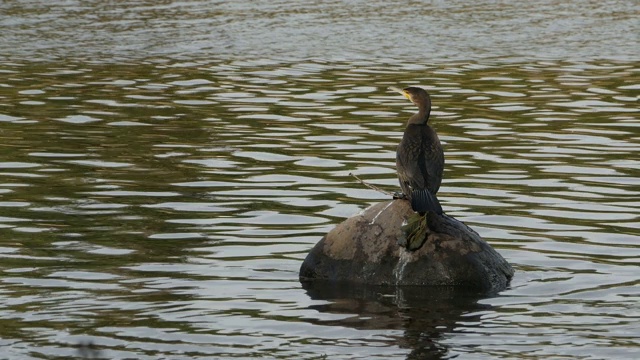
{"x": 416, "y": 95}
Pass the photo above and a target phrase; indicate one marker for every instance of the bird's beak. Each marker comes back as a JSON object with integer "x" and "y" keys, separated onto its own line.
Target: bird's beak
{"x": 402, "y": 92}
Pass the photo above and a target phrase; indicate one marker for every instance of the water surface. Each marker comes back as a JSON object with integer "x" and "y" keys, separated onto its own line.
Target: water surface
{"x": 159, "y": 203}
{"x": 335, "y": 29}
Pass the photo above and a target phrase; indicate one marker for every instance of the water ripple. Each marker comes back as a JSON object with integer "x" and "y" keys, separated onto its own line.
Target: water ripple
{"x": 183, "y": 238}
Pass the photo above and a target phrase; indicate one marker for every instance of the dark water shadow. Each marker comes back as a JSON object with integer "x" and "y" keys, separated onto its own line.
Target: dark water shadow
{"x": 425, "y": 314}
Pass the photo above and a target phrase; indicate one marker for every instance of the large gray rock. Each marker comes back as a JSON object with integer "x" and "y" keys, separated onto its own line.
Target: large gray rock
{"x": 364, "y": 249}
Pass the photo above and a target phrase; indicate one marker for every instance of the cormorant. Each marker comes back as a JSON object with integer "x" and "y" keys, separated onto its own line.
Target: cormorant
{"x": 419, "y": 157}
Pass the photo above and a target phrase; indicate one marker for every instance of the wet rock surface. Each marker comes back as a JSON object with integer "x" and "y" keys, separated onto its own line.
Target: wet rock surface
{"x": 364, "y": 249}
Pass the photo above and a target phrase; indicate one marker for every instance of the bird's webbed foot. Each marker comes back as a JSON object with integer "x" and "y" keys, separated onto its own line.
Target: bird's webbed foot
{"x": 399, "y": 195}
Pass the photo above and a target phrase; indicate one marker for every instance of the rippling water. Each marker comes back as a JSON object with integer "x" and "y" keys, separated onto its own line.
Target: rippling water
{"x": 164, "y": 209}
{"x": 161, "y": 208}
{"x": 330, "y": 29}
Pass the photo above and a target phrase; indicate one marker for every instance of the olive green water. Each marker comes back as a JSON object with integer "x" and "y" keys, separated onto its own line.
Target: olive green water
{"x": 158, "y": 205}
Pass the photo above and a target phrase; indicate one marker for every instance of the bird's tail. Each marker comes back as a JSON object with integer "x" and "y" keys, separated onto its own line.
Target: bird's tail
{"x": 423, "y": 201}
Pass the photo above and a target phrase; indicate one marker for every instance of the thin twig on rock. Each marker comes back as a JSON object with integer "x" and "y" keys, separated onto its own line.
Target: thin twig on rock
{"x": 372, "y": 187}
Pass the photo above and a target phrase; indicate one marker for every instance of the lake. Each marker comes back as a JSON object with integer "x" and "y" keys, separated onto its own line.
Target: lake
{"x": 165, "y": 166}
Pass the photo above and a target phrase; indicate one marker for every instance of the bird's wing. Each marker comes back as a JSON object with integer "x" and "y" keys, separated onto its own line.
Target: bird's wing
{"x": 411, "y": 164}
{"x": 420, "y": 166}
{"x": 434, "y": 165}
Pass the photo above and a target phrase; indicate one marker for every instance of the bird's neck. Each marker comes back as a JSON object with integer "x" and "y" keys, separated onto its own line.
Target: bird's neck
{"x": 421, "y": 117}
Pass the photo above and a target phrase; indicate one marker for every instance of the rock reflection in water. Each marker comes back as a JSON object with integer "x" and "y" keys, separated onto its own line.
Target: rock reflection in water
{"x": 424, "y": 315}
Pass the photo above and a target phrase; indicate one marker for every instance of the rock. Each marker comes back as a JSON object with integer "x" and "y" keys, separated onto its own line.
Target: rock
{"x": 364, "y": 249}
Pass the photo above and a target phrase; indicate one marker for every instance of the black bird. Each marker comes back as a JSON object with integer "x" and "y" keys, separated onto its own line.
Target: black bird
{"x": 419, "y": 157}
